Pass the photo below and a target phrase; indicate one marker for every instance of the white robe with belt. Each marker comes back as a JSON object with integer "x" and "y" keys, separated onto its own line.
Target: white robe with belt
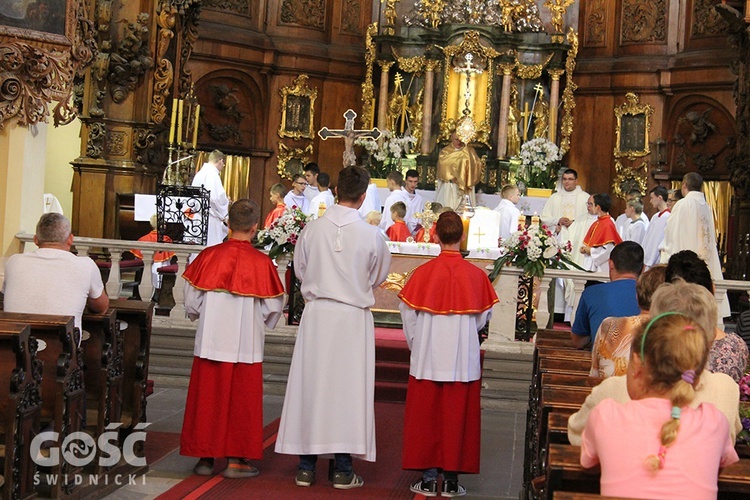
{"x": 329, "y": 404}
{"x": 208, "y": 177}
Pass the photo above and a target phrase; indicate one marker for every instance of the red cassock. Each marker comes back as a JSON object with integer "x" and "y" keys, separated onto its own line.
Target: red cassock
{"x": 398, "y": 231}
{"x": 275, "y": 214}
{"x": 224, "y": 407}
{"x": 158, "y": 256}
{"x": 442, "y": 422}
{"x": 601, "y": 232}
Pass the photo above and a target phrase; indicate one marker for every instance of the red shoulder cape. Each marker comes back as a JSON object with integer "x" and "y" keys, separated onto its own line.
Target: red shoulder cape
{"x": 449, "y": 285}
{"x": 601, "y": 232}
{"x": 237, "y": 268}
{"x": 398, "y": 231}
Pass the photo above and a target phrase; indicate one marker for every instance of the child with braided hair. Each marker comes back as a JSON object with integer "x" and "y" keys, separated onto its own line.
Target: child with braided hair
{"x": 643, "y": 453}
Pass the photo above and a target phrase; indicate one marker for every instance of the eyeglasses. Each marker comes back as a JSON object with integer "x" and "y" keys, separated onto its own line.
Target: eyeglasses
{"x": 670, "y": 200}
{"x": 302, "y": 183}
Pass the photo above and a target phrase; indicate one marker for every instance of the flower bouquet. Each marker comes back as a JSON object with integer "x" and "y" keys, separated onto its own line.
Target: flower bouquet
{"x": 386, "y": 151}
{"x": 538, "y": 156}
{"x": 283, "y": 233}
{"x": 534, "y": 249}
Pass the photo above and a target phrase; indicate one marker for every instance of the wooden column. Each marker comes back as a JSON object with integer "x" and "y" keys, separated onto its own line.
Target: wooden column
{"x": 502, "y": 126}
{"x": 554, "y": 102}
{"x": 429, "y": 74}
{"x": 385, "y": 67}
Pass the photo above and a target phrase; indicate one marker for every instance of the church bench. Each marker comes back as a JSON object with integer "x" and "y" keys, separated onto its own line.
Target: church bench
{"x": 565, "y": 473}
{"x": 62, "y": 386}
{"x": 103, "y": 359}
{"x": 20, "y": 404}
{"x": 136, "y": 338}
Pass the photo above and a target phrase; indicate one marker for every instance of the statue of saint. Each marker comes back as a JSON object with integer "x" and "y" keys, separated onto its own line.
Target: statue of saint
{"x": 514, "y": 139}
{"x": 459, "y": 169}
{"x": 541, "y": 118}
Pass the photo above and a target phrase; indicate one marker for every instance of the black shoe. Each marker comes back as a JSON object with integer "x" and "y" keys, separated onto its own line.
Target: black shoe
{"x": 453, "y": 489}
{"x": 426, "y": 488}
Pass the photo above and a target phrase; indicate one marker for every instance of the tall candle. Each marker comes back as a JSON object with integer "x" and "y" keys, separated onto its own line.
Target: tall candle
{"x": 173, "y": 121}
{"x": 179, "y": 121}
{"x": 195, "y": 125}
{"x": 465, "y": 241}
{"x": 535, "y": 220}
{"x": 521, "y": 222}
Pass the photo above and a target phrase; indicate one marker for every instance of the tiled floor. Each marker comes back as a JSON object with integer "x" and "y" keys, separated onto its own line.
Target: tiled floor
{"x": 502, "y": 450}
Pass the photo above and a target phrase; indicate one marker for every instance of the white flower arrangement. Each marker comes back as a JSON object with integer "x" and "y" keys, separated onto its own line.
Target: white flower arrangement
{"x": 388, "y": 147}
{"x": 537, "y": 155}
{"x": 283, "y": 233}
{"x": 534, "y": 249}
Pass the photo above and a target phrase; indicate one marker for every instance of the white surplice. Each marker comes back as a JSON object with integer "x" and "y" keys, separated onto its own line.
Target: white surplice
{"x": 654, "y": 238}
{"x": 292, "y": 200}
{"x": 414, "y": 204}
{"x": 622, "y": 223}
{"x": 635, "y": 231}
{"x": 395, "y": 196}
{"x": 329, "y": 401}
{"x": 208, "y": 177}
{"x": 311, "y": 192}
{"x": 508, "y": 218}
{"x": 691, "y": 227}
{"x": 324, "y": 197}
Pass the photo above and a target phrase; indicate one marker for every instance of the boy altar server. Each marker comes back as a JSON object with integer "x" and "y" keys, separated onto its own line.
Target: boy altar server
{"x": 235, "y": 292}
{"x": 444, "y": 305}
{"x": 329, "y": 406}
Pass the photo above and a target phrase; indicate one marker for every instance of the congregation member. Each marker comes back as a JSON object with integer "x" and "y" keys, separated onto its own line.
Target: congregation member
{"x": 277, "y": 194}
{"x": 601, "y": 237}
{"x": 234, "y": 292}
{"x": 443, "y": 306}
{"x": 616, "y": 298}
{"x": 160, "y": 258}
{"x": 398, "y": 230}
{"x": 636, "y": 228}
{"x": 324, "y": 199}
{"x": 394, "y": 181}
{"x": 508, "y": 212}
{"x": 312, "y": 172}
{"x": 655, "y": 233}
{"x": 52, "y": 280}
{"x": 414, "y": 201}
{"x": 611, "y": 349}
{"x": 728, "y": 351}
{"x": 623, "y": 220}
{"x": 209, "y": 177}
{"x": 691, "y": 227}
{"x": 716, "y": 388}
{"x": 658, "y": 445}
{"x": 329, "y": 404}
{"x": 296, "y": 197}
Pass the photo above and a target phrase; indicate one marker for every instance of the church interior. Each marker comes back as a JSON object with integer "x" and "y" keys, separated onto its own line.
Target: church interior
{"x": 101, "y": 101}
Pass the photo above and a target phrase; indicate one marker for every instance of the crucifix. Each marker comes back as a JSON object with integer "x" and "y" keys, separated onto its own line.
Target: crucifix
{"x": 427, "y": 217}
{"x": 349, "y": 134}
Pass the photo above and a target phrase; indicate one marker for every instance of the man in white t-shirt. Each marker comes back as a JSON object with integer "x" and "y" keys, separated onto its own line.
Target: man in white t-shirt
{"x": 51, "y": 280}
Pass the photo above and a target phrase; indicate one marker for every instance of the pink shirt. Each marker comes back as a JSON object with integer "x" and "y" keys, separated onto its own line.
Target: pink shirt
{"x": 621, "y": 435}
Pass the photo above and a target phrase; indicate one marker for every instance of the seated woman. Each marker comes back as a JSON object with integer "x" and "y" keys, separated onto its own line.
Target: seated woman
{"x": 657, "y": 445}
{"x": 611, "y": 350}
{"x": 728, "y": 352}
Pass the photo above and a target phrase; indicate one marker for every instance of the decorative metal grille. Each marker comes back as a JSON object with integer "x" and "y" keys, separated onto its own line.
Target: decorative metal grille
{"x": 182, "y": 214}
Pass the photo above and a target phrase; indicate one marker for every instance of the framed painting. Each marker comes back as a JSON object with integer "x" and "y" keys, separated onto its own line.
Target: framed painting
{"x": 632, "y": 129}
{"x": 297, "y": 109}
{"x": 292, "y": 160}
{"x": 48, "y": 21}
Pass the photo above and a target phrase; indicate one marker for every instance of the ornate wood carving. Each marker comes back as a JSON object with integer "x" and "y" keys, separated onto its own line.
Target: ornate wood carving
{"x": 164, "y": 72}
{"x": 707, "y": 22}
{"x": 95, "y": 140}
{"x": 704, "y": 139}
{"x": 596, "y": 23}
{"x": 644, "y": 22}
{"x": 145, "y": 152}
{"x": 131, "y": 59}
{"x": 225, "y": 98}
{"x": 191, "y": 16}
{"x": 236, "y": 6}
{"x": 351, "y": 12}
{"x": 307, "y": 13}
{"x": 116, "y": 143}
{"x": 223, "y": 133}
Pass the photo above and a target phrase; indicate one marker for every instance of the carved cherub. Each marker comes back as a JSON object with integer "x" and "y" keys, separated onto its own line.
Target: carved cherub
{"x": 701, "y": 125}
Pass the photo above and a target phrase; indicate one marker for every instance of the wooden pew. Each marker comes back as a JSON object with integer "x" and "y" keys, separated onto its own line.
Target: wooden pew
{"x": 103, "y": 359}
{"x": 565, "y": 473}
{"x": 20, "y": 405}
{"x": 136, "y": 339}
{"x": 62, "y": 389}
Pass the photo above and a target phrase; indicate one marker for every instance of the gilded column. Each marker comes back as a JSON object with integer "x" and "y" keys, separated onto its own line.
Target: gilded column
{"x": 502, "y": 126}
{"x": 554, "y": 102}
{"x": 385, "y": 67}
{"x": 430, "y": 67}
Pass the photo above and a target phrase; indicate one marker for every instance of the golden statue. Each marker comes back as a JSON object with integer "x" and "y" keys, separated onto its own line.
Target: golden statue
{"x": 541, "y": 118}
{"x": 557, "y": 8}
{"x": 459, "y": 169}
{"x": 514, "y": 117}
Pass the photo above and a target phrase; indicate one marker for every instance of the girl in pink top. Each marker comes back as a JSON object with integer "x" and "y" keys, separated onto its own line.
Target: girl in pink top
{"x": 656, "y": 446}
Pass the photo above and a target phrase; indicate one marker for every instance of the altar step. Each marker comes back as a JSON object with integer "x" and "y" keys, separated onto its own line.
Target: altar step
{"x": 505, "y": 382}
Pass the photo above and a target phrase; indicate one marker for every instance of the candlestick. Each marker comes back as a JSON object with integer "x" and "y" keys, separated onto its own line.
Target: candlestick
{"x": 172, "y": 122}
{"x": 179, "y": 121}
{"x": 465, "y": 240}
{"x": 195, "y": 125}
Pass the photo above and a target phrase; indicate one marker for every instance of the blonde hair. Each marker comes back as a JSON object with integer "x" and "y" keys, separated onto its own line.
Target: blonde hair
{"x": 374, "y": 217}
{"x": 692, "y": 300}
{"x": 673, "y": 349}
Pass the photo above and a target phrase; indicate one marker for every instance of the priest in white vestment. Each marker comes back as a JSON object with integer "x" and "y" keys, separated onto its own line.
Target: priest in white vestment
{"x": 414, "y": 201}
{"x": 508, "y": 212}
{"x": 372, "y": 201}
{"x": 208, "y": 177}
{"x": 691, "y": 227}
{"x": 329, "y": 404}
{"x": 398, "y": 193}
{"x": 459, "y": 169}
{"x": 655, "y": 231}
